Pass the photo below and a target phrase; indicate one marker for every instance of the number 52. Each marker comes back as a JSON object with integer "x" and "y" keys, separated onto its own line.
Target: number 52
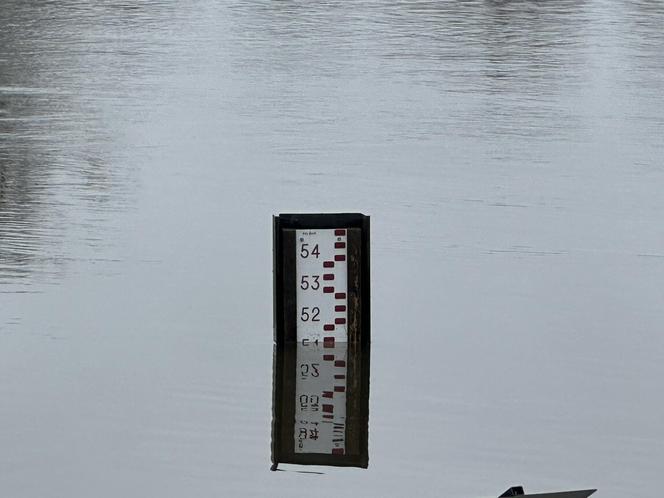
{"x": 305, "y": 316}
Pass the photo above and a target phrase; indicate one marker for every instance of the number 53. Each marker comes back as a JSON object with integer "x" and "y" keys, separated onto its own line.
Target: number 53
{"x": 314, "y": 284}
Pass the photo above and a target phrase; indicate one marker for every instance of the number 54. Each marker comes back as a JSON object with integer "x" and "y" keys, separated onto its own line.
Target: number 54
{"x": 305, "y": 253}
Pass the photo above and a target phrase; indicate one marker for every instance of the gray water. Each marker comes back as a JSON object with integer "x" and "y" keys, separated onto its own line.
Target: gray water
{"x": 510, "y": 154}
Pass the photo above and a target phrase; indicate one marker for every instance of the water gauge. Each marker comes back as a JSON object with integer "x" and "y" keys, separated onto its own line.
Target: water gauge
{"x": 322, "y": 339}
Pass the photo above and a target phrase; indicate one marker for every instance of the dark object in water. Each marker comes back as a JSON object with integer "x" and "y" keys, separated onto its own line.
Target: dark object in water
{"x": 518, "y": 491}
{"x": 513, "y": 491}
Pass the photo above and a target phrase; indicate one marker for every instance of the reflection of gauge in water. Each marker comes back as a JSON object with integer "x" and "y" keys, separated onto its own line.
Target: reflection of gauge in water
{"x": 320, "y": 398}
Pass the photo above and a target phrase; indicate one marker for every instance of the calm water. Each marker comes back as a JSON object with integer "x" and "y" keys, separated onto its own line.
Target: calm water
{"x": 510, "y": 153}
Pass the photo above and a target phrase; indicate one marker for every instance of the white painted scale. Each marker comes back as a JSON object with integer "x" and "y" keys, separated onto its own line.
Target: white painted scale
{"x": 322, "y": 337}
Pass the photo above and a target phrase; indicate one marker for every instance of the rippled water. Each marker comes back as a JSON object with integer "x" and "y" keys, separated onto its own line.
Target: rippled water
{"x": 510, "y": 154}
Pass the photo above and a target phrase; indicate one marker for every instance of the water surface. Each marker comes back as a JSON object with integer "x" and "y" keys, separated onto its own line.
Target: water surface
{"x": 509, "y": 153}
